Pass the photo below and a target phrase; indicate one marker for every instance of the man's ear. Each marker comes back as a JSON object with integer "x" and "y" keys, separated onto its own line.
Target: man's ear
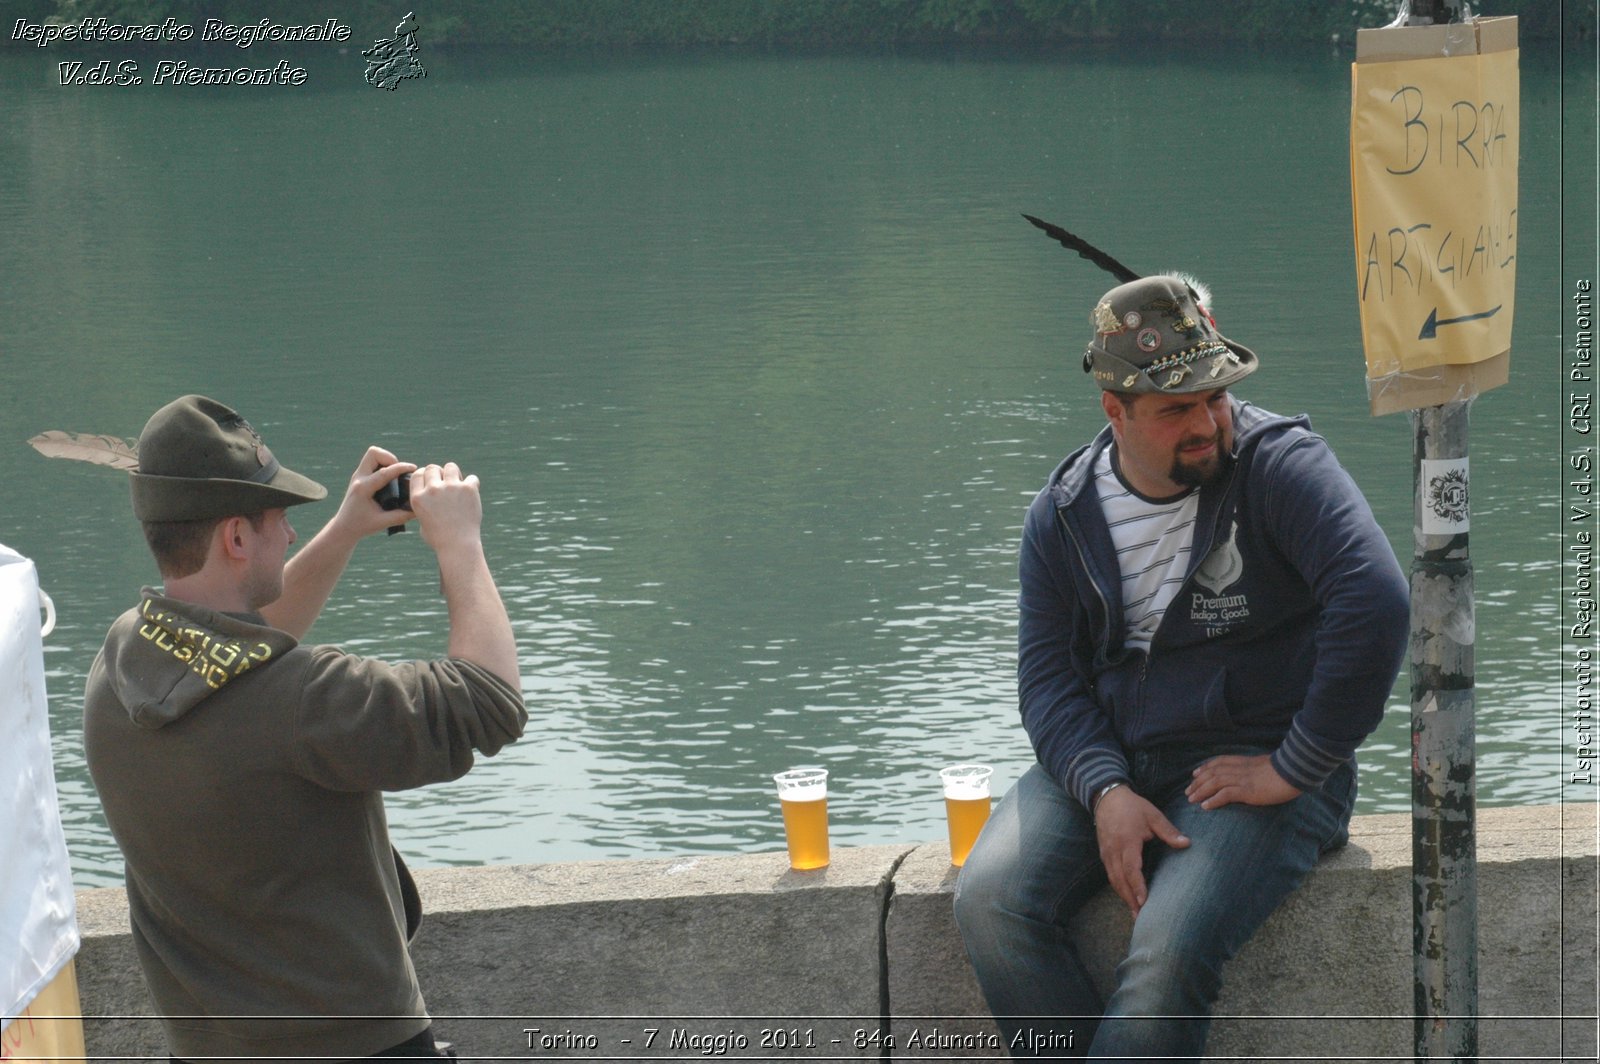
{"x": 1114, "y": 411}
{"x": 232, "y": 538}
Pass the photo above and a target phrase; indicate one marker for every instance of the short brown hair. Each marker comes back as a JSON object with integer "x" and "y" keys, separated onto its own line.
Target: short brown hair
{"x": 180, "y": 546}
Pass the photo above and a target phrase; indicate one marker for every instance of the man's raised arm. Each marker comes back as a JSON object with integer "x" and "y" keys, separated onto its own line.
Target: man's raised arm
{"x": 310, "y": 575}
{"x": 450, "y": 512}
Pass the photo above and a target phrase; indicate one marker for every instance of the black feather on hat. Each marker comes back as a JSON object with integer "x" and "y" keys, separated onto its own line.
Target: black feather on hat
{"x": 1154, "y": 334}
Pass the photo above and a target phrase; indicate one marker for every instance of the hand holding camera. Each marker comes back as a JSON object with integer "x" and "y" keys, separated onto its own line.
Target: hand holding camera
{"x": 448, "y": 507}
{"x": 395, "y": 495}
{"x": 358, "y": 517}
{"x": 446, "y": 504}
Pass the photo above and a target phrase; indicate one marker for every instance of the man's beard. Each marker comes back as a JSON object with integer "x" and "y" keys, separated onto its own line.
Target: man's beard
{"x": 1207, "y": 471}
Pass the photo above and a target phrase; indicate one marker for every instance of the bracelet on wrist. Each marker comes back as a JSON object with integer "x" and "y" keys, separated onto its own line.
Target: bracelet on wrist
{"x": 1100, "y": 796}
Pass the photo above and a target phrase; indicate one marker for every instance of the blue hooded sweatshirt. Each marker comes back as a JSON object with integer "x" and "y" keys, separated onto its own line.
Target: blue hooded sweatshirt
{"x": 1287, "y": 632}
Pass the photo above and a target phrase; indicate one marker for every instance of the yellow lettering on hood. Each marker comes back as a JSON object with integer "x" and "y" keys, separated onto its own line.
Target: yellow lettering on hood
{"x": 214, "y": 659}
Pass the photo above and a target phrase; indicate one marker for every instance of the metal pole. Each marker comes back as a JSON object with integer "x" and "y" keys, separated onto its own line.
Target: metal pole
{"x": 1444, "y": 873}
{"x": 1444, "y": 884}
{"x": 1431, "y": 12}
{"x": 1444, "y": 869}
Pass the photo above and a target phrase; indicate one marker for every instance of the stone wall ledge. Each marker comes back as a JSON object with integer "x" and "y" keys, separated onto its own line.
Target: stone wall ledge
{"x": 740, "y": 956}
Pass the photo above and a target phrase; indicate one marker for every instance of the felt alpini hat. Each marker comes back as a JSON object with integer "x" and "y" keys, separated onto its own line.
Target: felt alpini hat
{"x": 199, "y": 459}
{"x": 1156, "y": 335}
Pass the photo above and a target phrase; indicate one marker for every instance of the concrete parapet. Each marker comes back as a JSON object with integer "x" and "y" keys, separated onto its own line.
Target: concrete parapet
{"x": 739, "y": 956}
{"x": 702, "y": 951}
{"x": 1330, "y": 974}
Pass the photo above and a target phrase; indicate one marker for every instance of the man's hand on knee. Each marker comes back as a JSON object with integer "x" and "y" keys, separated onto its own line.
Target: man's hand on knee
{"x": 1232, "y": 778}
{"x": 1123, "y": 823}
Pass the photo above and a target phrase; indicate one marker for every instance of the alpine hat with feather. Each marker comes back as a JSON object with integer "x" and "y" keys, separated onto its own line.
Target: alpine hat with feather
{"x": 1154, "y": 334}
{"x": 199, "y": 459}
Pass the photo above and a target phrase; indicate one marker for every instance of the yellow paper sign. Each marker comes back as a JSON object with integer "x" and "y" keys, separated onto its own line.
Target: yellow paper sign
{"x": 1433, "y": 155}
{"x": 41, "y": 1033}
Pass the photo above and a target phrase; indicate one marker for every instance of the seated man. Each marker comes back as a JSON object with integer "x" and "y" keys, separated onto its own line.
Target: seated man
{"x": 1210, "y": 623}
{"x": 241, "y": 771}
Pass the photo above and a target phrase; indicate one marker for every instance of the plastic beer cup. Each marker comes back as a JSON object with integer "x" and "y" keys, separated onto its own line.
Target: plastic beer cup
{"x": 803, "y": 794}
{"x": 966, "y": 806}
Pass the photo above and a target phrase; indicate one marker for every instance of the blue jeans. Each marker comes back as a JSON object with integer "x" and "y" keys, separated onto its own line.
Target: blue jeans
{"x": 1038, "y": 861}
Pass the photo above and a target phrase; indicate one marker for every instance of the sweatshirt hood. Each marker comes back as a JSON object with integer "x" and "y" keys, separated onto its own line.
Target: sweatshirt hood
{"x": 167, "y": 656}
{"x": 1250, "y": 425}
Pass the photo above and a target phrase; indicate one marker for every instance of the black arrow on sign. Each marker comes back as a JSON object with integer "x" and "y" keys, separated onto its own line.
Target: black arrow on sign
{"x": 1430, "y": 328}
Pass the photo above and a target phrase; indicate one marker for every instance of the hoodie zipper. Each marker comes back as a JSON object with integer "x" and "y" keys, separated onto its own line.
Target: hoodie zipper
{"x": 1083, "y": 561}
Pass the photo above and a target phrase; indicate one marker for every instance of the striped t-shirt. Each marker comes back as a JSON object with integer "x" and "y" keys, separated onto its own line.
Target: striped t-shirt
{"x": 1153, "y": 541}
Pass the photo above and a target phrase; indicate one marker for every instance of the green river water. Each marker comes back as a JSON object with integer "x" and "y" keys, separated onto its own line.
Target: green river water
{"x": 759, "y": 367}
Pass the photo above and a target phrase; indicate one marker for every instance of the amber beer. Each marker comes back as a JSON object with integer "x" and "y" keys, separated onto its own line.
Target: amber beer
{"x": 805, "y": 824}
{"x": 966, "y": 806}
{"x": 803, "y": 794}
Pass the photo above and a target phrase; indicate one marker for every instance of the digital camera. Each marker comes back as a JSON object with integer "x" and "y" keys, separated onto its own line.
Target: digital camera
{"x": 395, "y": 495}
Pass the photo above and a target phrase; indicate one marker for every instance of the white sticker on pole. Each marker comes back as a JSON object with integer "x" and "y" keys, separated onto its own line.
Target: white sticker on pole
{"x": 1446, "y": 507}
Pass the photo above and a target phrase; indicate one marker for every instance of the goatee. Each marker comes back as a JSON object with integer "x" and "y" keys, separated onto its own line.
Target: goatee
{"x": 1206, "y": 471}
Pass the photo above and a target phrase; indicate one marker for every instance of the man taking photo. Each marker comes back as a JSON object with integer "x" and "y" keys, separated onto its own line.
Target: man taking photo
{"x": 241, "y": 771}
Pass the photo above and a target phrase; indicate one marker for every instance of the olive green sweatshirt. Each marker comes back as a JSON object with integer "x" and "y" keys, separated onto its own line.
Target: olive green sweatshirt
{"x": 241, "y": 773}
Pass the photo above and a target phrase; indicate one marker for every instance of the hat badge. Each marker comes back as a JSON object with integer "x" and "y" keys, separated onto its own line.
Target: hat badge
{"x": 1106, "y": 322}
{"x": 263, "y": 456}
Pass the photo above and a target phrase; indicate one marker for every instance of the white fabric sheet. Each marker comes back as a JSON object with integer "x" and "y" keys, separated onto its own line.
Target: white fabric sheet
{"x": 38, "y": 917}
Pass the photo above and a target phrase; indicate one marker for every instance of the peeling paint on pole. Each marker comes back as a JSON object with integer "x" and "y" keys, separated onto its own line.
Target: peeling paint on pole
{"x": 1444, "y": 892}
